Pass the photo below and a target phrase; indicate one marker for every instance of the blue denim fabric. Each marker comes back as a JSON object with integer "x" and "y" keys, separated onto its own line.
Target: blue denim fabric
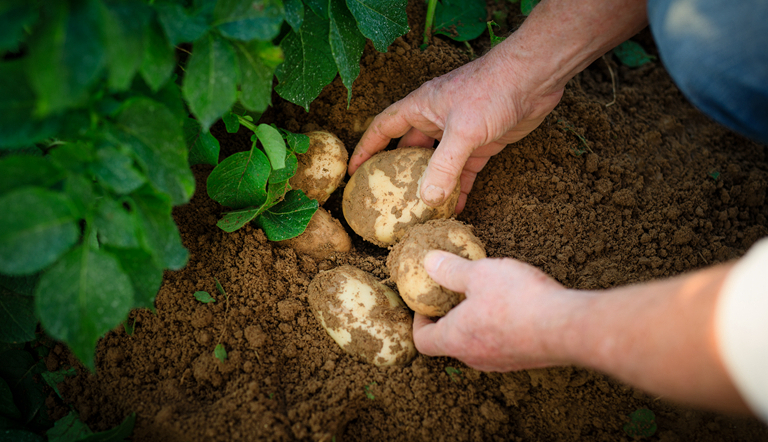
{"x": 717, "y": 53}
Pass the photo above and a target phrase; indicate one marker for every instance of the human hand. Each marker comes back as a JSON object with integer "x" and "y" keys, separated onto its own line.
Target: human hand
{"x": 475, "y": 111}
{"x": 510, "y": 313}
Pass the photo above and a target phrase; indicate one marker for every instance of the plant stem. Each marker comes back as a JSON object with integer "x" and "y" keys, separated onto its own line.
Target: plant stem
{"x": 246, "y": 123}
{"x": 428, "y": 25}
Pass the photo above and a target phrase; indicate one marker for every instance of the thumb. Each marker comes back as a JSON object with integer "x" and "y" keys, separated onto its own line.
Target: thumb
{"x": 443, "y": 172}
{"x": 448, "y": 270}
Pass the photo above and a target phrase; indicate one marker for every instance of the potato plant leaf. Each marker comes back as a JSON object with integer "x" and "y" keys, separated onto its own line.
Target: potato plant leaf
{"x": 69, "y": 429}
{"x": 159, "y": 59}
{"x": 319, "y": 7}
{"x": 115, "y": 225}
{"x": 256, "y": 82}
{"x": 7, "y": 407}
{"x": 309, "y": 64}
{"x": 347, "y": 43}
{"x": 210, "y": 83}
{"x": 67, "y": 55}
{"x": 17, "y": 309}
{"x": 526, "y": 6}
{"x": 158, "y": 234}
{"x": 156, "y": 137}
{"x": 298, "y": 143}
{"x": 37, "y": 226}
{"x": 18, "y": 171}
{"x": 287, "y": 172}
{"x": 294, "y": 13}
{"x": 81, "y": 297}
{"x": 19, "y": 370}
{"x": 123, "y": 29}
{"x": 220, "y": 352}
{"x": 240, "y": 180}
{"x": 18, "y": 125}
{"x": 249, "y": 19}
{"x": 380, "y": 20}
{"x": 204, "y": 297}
{"x": 15, "y": 15}
{"x": 288, "y": 218}
{"x": 203, "y": 147}
{"x": 182, "y": 25}
{"x": 115, "y": 170}
{"x": 54, "y": 378}
{"x": 236, "y": 219}
{"x": 146, "y": 276}
{"x": 631, "y": 54}
{"x": 460, "y": 20}
{"x": 273, "y": 144}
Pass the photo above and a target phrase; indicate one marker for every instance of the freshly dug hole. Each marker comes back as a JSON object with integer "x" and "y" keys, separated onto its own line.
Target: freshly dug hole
{"x": 381, "y": 200}
{"x": 366, "y": 318}
{"x": 406, "y": 263}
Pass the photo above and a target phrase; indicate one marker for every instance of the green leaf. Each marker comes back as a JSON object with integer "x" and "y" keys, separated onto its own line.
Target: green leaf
{"x": 18, "y": 126}
{"x": 120, "y": 433}
{"x": 319, "y": 7}
{"x": 54, "y": 378}
{"x": 273, "y": 144}
{"x": 460, "y": 20}
{"x": 256, "y": 81}
{"x": 210, "y": 83}
{"x": 158, "y": 233}
{"x": 7, "y": 407}
{"x": 79, "y": 188}
{"x": 631, "y": 54}
{"x": 66, "y": 55}
{"x": 248, "y": 20}
{"x": 287, "y": 172}
{"x": 18, "y": 369}
{"x": 236, "y": 219}
{"x": 219, "y": 287}
{"x": 17, "y": 309}
{"x": 526, "y": 6}
{"x": 68, "y": 429}
{"x": 231, "y": 123}
{"x": 155, "y": 135}
{"x": 298, "y": 143}
{"x": 203, "y": 147}
{"x": 25, "y": 170}
{"x": 36, "y": 227}
{"x": 145, "y": 275}
{"x": 15, "y": 15}
{"x": 115, "y": 170}
{"x": 309, "y": 64}
{"x": 204, "y": 297}
{"x": 220, "y": 352}
{"x": 181, "y": 25}
{"x": 83, "y": 296}
{"x": 289, "y": 218}
{"x": 294, "y": 13}
{"x": 240, "y": 180}
{"x": 124, "y": 22}
{"x": 382, "y": 21}
{"x": 159, "y": 58}
{"x": 115, "y": 225}
{"x": 642, "y": 423}
{"x": 347, "y": 44}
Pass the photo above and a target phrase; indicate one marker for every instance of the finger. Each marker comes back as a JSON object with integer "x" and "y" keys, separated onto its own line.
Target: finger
{"x": 467, "y": 179}
{"x": 426, "y": 336}
{"x": 448, "y": 270}
{"x": 415, "y": 137}
{"x": 443, "y": 171}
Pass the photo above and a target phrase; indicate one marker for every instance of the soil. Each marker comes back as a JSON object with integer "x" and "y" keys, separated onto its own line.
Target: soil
{"x": 659, "y": 190}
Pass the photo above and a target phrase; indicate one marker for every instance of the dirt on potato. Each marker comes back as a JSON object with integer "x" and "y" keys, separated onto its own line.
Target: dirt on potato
{"x": 598, "y": 196}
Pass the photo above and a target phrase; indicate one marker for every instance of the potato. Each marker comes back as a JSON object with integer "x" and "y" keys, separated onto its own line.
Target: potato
{"x": 366, "y": 318}
{"x": 406, "y": 263}
{"x": 381, "y": 200}
{"x": 324, "y": 235}
{"x": 322, "y": 168}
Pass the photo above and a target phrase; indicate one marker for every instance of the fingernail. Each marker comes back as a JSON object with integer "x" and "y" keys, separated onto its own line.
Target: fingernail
{"x": 433, "y": 195}
{"x": 432, "y": 260}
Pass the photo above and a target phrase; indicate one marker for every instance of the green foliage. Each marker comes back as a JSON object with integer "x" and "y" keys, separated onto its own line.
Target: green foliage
{"x": 526, "y": 6}
{"x": 494, "y": 38}
{"x": 642, "y": 423}
{"x": 220, "y": 352}
{"x": 204, "y": 297}
{"x": 454, "y": 373}
{"x": 460, "y": 20}
{"x": 368, "y": 392}
{"x": 631, "y": 54}
{"x": 96, "y": 143}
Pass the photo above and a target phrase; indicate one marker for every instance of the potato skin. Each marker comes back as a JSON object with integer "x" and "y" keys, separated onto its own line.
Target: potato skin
{"x": 366, "y": 318}
{"x": 324, "y": 235}
{"x": 406, "y": 263}
{"x": 322, "y": 168}
{"x": 381, "y": 200}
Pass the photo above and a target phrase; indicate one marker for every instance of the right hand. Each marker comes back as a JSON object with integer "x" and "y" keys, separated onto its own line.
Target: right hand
{"x": 475, "y": 111}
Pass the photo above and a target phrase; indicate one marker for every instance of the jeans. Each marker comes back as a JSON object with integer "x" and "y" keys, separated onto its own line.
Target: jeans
{"x": 716, "y": 51}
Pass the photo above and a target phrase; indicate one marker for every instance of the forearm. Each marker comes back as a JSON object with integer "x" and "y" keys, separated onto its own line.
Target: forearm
{"x": 658, "y": 336}
{"x": 562, "y": 37}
